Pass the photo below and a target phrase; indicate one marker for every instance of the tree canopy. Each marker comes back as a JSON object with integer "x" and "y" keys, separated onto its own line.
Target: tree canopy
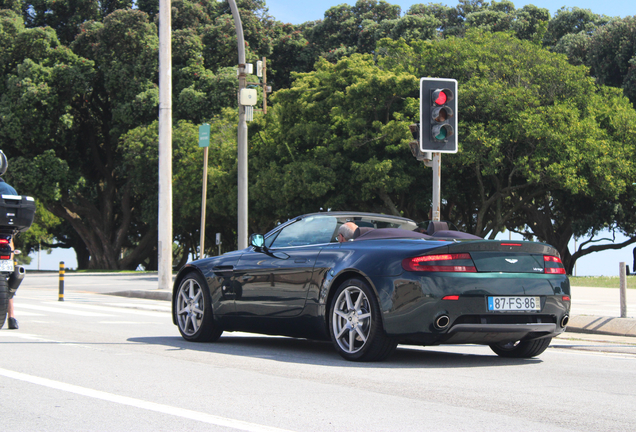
{"x": 546, "y": 119}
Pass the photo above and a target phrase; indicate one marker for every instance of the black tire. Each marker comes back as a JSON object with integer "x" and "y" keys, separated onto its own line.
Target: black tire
{"x": 4, "y": 299}
{"x": 192, "y": 310}
{"x": 355, "y": 323}
{"x": 521, "y": 349}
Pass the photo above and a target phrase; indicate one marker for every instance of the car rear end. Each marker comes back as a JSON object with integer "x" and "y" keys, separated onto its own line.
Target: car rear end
{"x": 484, "y": 292}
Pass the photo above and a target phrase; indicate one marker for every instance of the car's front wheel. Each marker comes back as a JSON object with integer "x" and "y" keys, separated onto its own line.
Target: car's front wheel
{"x": 193, "y": 310}
{"x": 521, "y": 349}
{"x": 356, "y": 324}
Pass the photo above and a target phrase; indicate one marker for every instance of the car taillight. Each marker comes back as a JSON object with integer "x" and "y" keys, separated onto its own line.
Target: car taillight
{"x": 4, "y": 241}
{"x": 553, "y": 265}
{"x": 461, "y": 262}
{"x": 5, "y": 257}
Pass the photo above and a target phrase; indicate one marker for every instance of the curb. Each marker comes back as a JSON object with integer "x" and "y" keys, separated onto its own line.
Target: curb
{"x": 145, "y": 294}
{"x": 602, "y": 325}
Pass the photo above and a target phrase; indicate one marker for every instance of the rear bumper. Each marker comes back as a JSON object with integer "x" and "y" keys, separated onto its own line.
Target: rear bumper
{"x": 503, "y": 328}
{"x": 416, "y": 308}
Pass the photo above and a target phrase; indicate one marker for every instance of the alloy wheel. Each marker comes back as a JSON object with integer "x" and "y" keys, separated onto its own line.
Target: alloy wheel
{"x": 351, "y": 319}
{"x": 190, "y": 306}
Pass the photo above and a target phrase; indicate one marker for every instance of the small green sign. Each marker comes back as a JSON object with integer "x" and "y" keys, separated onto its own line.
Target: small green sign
{"x": 204, "y": 135}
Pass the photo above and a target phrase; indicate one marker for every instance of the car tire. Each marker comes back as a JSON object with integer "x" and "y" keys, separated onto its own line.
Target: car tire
{"x": 4, "y": 299}
{"x": 356, "y": 324}
{"x": 521, "y": 349}
{"x": 192, "y": 310}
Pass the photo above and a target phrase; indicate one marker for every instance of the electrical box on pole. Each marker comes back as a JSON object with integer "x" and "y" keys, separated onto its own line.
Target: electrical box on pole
{"x": 438, "y": 115}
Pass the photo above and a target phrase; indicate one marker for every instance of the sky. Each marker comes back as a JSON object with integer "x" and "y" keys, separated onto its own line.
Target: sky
{"x": 292, "y": 11}
{"x": 295, "y": 12}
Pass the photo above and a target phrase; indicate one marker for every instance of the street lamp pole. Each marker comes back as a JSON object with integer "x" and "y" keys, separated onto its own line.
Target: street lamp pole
{"x": 164, "y": 226}
{"x": 242, "y": 133}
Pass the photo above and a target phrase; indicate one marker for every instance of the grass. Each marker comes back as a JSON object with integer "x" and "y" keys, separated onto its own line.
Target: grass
{"x": 601, "y": 281}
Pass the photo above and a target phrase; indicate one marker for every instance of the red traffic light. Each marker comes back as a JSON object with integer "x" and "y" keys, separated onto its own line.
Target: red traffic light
{"x": 442, "y": 96}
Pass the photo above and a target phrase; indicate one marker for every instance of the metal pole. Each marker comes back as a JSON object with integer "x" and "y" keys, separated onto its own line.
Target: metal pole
{"x": 242, "y": 134}
{"x": 164, "y": 246}
{"x": 437, "y": 185}
{"x": 623, "y": 289}
{"x": 575, "y": 252}
{"x": 61, "y": 286}
{"x": 203, "y": 199}
{"x": 264, "y": 85}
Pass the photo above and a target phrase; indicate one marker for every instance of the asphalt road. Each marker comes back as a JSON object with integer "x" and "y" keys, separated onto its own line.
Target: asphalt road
{"x": 108, "y": 363}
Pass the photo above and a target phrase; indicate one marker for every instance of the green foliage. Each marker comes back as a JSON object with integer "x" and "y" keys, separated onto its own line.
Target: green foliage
{"x": 338, "y": 138}
{"x": 140, "y": 147}
{"x": 611, "y": 55}
{"x": 545, "y": 149}
{"x": 573, "y": 21}
{"x": 541, "y": 144}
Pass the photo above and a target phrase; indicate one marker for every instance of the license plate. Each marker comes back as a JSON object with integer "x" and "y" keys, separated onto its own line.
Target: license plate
{"x": 514, "y": 303}
{"x": 6, "y": 265}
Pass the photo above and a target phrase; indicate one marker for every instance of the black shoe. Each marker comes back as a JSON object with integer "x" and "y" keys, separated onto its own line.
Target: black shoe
{"x": 13, "y": 324}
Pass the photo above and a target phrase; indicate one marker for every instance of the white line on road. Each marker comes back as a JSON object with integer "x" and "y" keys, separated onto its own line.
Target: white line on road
{"x": 64, "y": 310}
{"x": 138, "y": 403}
{"x": 117, "y": 310}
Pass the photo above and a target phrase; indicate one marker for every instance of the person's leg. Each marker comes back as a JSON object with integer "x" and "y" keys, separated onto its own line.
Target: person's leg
{"x": 13, "y": 323}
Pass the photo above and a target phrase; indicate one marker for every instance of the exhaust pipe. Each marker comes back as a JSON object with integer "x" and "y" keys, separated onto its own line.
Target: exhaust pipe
{"x": 565, "y": 320}
{"x": 15, "y": 280}
{"x": 442, "y": 322}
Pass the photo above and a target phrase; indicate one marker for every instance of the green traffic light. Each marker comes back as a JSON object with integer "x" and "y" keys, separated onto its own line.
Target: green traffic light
{"x": 441, "y": 135}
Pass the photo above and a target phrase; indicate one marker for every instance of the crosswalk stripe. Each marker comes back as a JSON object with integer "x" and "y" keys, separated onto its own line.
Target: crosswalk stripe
{"x": 113, "y": 309}
{"x": 63, "y": 310}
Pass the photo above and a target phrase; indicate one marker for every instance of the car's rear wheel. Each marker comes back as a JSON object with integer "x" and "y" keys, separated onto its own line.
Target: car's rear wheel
{"x": 193, "y": 311}
{"x": 356, "y": 325}
{"x": 521, "y": 349}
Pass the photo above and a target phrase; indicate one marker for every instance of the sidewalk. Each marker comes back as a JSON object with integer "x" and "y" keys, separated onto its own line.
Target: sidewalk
{"x": 597, "y": 311}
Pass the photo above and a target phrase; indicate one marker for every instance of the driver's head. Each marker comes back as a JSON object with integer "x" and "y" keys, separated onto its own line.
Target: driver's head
{"x": 348, "y": 231}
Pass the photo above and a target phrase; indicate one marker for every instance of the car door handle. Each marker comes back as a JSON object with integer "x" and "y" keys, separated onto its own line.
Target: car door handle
{"x": 300, "y": 260}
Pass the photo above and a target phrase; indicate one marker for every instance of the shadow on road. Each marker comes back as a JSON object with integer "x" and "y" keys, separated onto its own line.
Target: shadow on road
{"x": 302, "y": 351}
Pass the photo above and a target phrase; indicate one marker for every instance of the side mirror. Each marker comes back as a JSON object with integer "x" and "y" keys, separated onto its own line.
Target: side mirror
{"x": 257, "y": 240}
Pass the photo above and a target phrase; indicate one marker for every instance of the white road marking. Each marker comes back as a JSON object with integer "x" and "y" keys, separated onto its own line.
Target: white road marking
{"x": 138, "y": 403}
{"x": 158, "y": 307}
{"x": 64, "y": 310}
{"x": 20, "y": 313}
{"x": 116, "y": 310}
{"x": 128, "y": 322}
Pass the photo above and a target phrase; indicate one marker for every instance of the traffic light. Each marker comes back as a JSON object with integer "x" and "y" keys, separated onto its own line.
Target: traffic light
{"x": 438, "y": 115}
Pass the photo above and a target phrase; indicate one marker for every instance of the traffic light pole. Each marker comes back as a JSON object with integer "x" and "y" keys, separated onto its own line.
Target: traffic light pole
{"x": 437, "y": 186}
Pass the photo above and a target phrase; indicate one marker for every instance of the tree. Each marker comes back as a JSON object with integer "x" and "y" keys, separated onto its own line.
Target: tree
{"x": 61, "y": 118}
{"x": 65, "y": 109}
{"x": 338, "y": 138}
{"x": 611, "y": 55}
{"x": 542, "y": 147}
{"x": 572, "y": 21}
{"x": 140, "y": 148}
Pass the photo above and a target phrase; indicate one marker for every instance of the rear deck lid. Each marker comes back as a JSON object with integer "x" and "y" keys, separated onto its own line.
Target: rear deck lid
{"x": 510, "y": 257}
{"x": 508, "y": 262}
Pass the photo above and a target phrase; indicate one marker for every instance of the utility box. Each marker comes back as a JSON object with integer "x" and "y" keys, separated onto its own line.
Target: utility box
{"x": 16, "y": 213}
{"x": 248, "y": 97}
